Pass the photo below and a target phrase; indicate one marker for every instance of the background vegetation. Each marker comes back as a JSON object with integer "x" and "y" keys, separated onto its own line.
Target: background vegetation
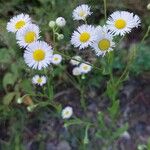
{"x": 43, "y": 128}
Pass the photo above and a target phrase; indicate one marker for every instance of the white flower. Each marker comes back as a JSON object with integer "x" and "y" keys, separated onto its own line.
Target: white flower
{"x": 81, "y": 12}
{"x": 126, "y": 135}
{"x": 28, "y": 35}
{"x": 52, "y": 24}
{"x": 83, "y": 37}
{"x": 38, "y": 55}
{"x": 67, "y": 112}
{"x": 85, "y": 68}
{"x": 18, "y": 22}
{"x": 56, "y": 59}
{"x": 76, "y": 71}
{"x": 104, "y": 42}
{"x": 103, "y": 29}
{"x": 39, "y": 80}
{"x": 121, "y": 22}
{"x": 61, "y": 22}
{"x": 75, "y": 60}
{"x": 148, "y": 6}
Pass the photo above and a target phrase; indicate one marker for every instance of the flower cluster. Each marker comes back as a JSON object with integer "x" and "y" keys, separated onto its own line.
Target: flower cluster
{"x": 99, "y": 38}
{"x": 80, "y": 67}
{"x": 60, "y": 22}
{"x": 37, "y": 54}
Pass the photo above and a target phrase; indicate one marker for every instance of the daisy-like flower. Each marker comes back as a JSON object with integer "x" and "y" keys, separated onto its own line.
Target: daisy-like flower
{"x": 121, "y": 22}
{"x": 28, "y": 35}
{"x": 104, "y": 42}
{"x": 39, "y": 80}
{"x": 56, "y": 59}
{"x": 81, "y": 12}
{"x": 75, "y": 60}
{"x": 67, "y": 112}
{"x": 83, "y": 37}
{"x": 38, "y": 55}
{"x": 85, "y": 68}
{"x": 76, "y": 71}
{"x": 148, "y": 6}
{"x": 103, "y": 29}
{"x": 18, "y": 22}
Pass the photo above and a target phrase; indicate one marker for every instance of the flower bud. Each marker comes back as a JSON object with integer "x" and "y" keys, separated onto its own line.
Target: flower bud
{"x": 52, "y": 24}
{"x": 148, "y": 6}
{"x": 19, "y": 100}
{"x": 31, "y": 108}
{"x": 76, "y": 71}
{"x": 60, "y": 36}
{"x": 83, "y": 77}
{"x": 61, "y": 22}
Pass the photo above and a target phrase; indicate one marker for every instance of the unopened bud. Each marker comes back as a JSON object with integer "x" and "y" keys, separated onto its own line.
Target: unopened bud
{"x": 31, "y": 108}
{"x": 148, "y": 6}
{"x": 83, "y": 77}
{"x": 52, "y": 24}
{"x": 19, "y": 100}
{"x": 60, "y": 36}
{"x": 61, "y": 22}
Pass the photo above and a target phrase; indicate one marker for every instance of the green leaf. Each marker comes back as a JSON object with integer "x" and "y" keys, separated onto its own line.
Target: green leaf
{"x": 8, "y": 98}
{"x": 59, "y": 70}
{"x": 4, "y": 56}
{"x": 101, "y": 120}
{"x": 27, "y": 86}
{"x": 148, "y": 144}
{"x": 14, "y": 69}
{"x": 9, "y": 79}
{"x": 114, "y": 109}
{"x": 73, "y": 122}
{"x": 119, "y": 131}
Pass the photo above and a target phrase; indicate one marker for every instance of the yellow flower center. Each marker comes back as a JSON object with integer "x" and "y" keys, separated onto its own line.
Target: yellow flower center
{"x": 39, "y": 80}
{"x": 85, "y": 67}
{"x": 84, "y": 37}
{"x": 19, "y": 24}
{"x": 55, "y": 59}
{"x": 38, "y": 55}
{"x": 82, "y": 14}
{"x": 67, "y": 113}
{"x": 104, "y": 44}
{"x": 30, "y": 37}
{"x": 120, "y": 24}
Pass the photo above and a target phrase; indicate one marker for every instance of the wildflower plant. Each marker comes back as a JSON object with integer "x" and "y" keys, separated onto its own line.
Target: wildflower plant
{"x": 42, "y": 59}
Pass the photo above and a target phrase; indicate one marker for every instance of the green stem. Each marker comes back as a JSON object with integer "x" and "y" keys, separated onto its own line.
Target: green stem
{"x": 35, "y": 95}
{"x": 82, "y": 98}
{"x": 71, "y": 79}
{"x": 51, "y": 90}
{"x": 50, "y": 85}
{"x": 53, "y": 37}
{"x": 123, "y": 75}
{"x": 85, "y": 21}
{"x": 83, "y": 104}
{"x": 68, "y": 57}
{"x": 105, "y": 9}
{"x": 86, "y": 137}
{"x": 146, "y": 34}
{"x": 110, "y": 64}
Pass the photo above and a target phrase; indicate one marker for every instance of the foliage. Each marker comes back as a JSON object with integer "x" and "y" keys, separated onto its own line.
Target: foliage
{"x": 130, "y": 59}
